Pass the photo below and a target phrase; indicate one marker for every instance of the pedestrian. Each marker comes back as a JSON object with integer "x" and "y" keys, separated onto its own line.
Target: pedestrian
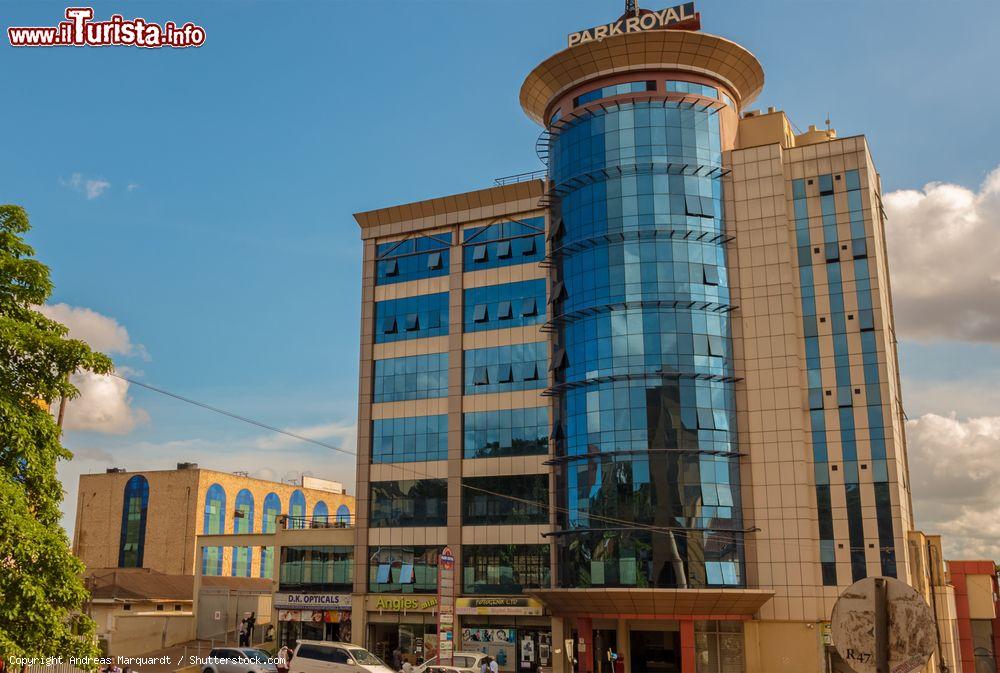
{"x": 251, "y": 622}
{"x": 284, "y": 654}
{"x": 494, "y": 668}
{"x": 397, "y": 659}
{"x": 485, "y": 668}
{"x": 243, "y": 633}
{"x": 407, "y": 667}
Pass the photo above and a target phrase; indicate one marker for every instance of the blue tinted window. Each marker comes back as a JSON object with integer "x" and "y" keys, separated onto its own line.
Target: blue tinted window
{"x": 506, "y": 368}
{"x": 320, "y": 568}
{"x": 413, "y": 377}
{"x": 507, "y": 432}
{"x": 692, "y": 87}
{"x": 297, "y": 510}
{"x": 133, "y": 529}
{"x": 505, "y": 569}
{"x": 213, "y": 523}
{"x": 404, "y": 570}
{"x": 421, "y": 257}
{"x": 243, "y": 524}
{"x": 406, "y": 440}
{"x": 503, "y": 244}
{"x": 419, "y": 502}
{"x": 508, "y": 305}
{"x": 268, "y": 524}
{"x": 521, "y": 499}
{"x": 425, "y": 315}
{"x": 613, "y": 90}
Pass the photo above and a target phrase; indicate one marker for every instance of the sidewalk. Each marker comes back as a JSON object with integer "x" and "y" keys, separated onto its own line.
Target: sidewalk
{"x": 181, "y": 657}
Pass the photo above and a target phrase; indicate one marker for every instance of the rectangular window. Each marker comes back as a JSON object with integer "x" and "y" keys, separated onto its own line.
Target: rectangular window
{"x": 409, "y": 503}
{"x": 490, "y": 501}
{"x": 412, "y": 259}
{"x": 411, "y": 317}
{"x": 613, "y": 90}
{"x": 403, "y": 569}
{"x": 492, "y": 306}
{"x": 710, "y": 274}
{"x": 321, "y": 568}
{"x": 680, "y": 86}
{"x": 825, "y": 184}
{"x": 483, "y": 368}
{"x": 504, "y": 569}
{"x": 508, "y": 432}
{"x": 859, "y": 248}
{"x": 503, "y": 243}
{"x": 415, "y": 377}
{"x": 832, "y": 251}
{"x": 407, "y": 440}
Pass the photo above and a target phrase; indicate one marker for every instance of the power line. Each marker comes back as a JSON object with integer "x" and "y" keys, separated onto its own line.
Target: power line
{"x": 732, "y": 536}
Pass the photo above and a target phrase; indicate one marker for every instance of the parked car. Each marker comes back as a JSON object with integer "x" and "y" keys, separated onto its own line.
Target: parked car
{"x": 464, "y": 662}
{"x": 317, "y": 656}
{"x": 239, "y": 660}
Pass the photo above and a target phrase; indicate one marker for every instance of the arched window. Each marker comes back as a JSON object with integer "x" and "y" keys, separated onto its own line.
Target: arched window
{"x": 269, "y": 524}
{"x": 242, "y": 523}
{"x": 214, "y": 524}
{"x": 343, "y": 516}
{"x": 134, "y": 507}
{"x": 321, "y": 514}
{"x": 297, "y": 510}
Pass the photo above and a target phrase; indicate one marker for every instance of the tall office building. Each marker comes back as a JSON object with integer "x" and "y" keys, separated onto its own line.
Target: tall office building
{"x": 681, "y": 339}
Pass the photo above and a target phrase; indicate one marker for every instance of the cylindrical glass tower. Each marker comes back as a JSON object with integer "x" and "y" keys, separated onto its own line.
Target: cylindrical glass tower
{"x": 648, "y": 472}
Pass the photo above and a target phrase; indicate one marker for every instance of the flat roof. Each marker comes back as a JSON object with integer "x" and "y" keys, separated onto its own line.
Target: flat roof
{"x": 693, "y": 51}
{"x": 455, "y": 208}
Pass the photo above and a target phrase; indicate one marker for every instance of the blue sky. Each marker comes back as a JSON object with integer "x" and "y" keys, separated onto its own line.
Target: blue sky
{"x": 223, "y": 240}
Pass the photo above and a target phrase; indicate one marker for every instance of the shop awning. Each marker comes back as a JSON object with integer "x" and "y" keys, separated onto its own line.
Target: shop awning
{"x": 653, "y": 603}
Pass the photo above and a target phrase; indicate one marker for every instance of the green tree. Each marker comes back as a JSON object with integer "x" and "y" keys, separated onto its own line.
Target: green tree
{"x": 41, "y": 583}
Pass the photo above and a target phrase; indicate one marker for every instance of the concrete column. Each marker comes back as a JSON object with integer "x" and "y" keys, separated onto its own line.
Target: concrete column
{"x": 359, "y": 619}
{"x": 687, "y": 646}
{"x": 585, "y": 645}
{"x": 560, "y": 660}
{"x": 624, "y": 647}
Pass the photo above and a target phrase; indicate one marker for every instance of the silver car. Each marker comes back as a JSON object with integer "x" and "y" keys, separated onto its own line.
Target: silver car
{"x": 462, "y": 662}
{"x": 239, "y": 660}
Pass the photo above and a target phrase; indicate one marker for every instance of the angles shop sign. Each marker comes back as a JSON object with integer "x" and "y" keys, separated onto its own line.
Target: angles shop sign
{"x": 679, "y": 16}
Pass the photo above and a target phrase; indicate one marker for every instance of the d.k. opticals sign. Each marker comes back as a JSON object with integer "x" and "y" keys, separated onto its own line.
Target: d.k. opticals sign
{"x": 312, "y": 601}
{"x": 671, "y": 17}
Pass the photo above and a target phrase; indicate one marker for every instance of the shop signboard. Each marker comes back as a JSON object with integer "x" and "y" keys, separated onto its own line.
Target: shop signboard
{"x": 502, "y": 605}
{"x": 296, "y": 601}
{"x": 446, "y": 607}
{"x": 415, "y": 603}
{"x": 679, "y": 16}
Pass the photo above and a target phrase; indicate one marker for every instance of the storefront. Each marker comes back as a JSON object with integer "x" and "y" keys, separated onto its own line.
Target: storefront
{"x": 512, "y": 630}
{"x": 309, "y": 616}
{"x": 403, "y": 624}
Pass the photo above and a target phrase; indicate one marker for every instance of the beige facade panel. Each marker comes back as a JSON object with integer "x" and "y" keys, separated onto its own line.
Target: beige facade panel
{"x": 429, "y": 407}
{"x": 396, "y": 537}
{"x": 503, "y": 337}
{"x": 523, "y": 534}
{"x": 505, "y": 466}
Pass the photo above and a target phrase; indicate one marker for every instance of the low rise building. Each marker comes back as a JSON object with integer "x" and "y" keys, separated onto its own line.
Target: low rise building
{"x": 149, "y": 519}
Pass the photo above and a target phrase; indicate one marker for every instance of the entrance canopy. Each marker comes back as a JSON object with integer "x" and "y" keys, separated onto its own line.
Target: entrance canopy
{"x": 654, "y": 603}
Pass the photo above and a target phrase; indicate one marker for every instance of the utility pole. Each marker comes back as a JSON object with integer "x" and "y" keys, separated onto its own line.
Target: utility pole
{"x": 881, "y": 597}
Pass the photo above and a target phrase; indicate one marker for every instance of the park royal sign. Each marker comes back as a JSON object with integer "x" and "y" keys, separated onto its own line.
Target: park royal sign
{"x": 640, "y": 23}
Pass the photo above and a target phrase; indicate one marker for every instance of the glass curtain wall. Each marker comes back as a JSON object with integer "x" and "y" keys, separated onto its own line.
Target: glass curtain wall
{"x": 646, "y": 433}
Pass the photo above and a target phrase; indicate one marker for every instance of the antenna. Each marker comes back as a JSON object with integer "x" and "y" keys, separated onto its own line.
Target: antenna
{"x": 827, "y": 121}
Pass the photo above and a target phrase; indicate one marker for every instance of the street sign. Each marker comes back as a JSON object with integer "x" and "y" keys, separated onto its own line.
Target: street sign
{"x": 881, "y": 625}
{"x": 446, "y": 606}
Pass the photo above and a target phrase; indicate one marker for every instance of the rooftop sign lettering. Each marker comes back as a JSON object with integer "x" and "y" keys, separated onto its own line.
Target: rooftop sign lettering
{"x": 644, "y": 20}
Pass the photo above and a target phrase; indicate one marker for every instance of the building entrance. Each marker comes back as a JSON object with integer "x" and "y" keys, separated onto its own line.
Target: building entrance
{"x": 605, "y": 645}
{"x": 655, "y": 651}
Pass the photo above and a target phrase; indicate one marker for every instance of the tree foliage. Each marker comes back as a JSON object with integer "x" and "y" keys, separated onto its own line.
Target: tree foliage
{"x": 41, "y": 584}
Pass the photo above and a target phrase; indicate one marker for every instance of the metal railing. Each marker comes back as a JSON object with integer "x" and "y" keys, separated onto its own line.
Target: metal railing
{"x": 300, "y": 522}
{"x": 520, "y": 177}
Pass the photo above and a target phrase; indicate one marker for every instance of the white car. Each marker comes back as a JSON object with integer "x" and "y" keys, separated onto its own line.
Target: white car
{"x": 465, "y": 662}
{"x": 239, "y": 660}
{"x": 317, "y": 656}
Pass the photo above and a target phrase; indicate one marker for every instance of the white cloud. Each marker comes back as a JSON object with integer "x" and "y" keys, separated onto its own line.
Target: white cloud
{"x": 341, "y": 434}
{"x": 104, "y": 405}
{"x": 944, "y": 241}
{"x": 92, "y": 187}
{"x": 132, "y": 186}
{"x": 954, "y": 470}
{"x": 99, "y": 331}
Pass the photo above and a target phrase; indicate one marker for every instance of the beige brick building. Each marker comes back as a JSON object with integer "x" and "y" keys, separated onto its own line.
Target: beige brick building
{"x": 150, "y": 519}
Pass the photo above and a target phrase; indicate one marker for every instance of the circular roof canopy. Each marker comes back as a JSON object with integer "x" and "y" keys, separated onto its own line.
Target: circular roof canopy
{"x": 695, "y": 52}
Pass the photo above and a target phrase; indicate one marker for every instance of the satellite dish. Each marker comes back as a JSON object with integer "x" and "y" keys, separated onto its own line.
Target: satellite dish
{"x": 882, "y": 625}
